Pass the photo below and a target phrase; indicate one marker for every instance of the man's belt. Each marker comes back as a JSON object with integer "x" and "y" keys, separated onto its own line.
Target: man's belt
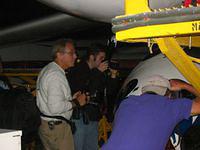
{"x": 52, "y": 124}
{"x": 56, "y": 117}
{"x": 72, "y": 125}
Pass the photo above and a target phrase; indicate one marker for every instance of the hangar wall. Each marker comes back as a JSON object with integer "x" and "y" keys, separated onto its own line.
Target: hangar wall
{"x": 29, "y": 52}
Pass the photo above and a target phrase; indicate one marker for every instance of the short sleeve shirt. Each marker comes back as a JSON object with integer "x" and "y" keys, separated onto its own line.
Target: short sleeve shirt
{"x": 145, "y": 122}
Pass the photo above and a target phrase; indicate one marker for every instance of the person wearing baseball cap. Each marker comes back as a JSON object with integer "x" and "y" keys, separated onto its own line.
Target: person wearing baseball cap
{"x": 146, "y": 122}
{"x": 156, "y": 84}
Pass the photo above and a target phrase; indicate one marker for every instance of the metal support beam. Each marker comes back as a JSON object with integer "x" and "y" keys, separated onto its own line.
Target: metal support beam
{"x": 139, "y": 23}
{"x": 171, "y": 48}
{"x": 136, "y": 7}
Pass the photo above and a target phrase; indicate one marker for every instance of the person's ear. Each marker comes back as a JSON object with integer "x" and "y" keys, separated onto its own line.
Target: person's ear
{"x": 59, "y": 55}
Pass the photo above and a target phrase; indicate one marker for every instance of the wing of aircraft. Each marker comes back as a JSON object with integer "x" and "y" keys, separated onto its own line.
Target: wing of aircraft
{"x": 103, "y": 10}
{"x": 29, "y": 21}
{"x": 43, "y": 28}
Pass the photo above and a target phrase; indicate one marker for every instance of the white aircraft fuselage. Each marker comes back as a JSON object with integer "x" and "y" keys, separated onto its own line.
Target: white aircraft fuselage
{"x": 157, "y": 65}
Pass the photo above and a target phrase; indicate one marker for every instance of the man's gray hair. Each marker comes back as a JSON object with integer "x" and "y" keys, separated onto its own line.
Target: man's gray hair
{"x": 59, "y": 46}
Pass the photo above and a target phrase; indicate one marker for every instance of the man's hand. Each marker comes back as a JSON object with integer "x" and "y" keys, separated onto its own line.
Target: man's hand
{"x": 103, "y": 66}
{"x": 177, "y": 85}
{"x": 80, "y": 97}
{"x": 76, "y": 94}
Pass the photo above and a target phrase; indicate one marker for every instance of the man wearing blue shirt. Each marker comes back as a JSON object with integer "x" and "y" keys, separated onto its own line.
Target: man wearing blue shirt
{"x": 146, "y": 122}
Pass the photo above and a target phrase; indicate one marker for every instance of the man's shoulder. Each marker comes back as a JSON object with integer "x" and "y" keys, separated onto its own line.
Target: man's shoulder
{"x": 48, "y": 67}
{"x": 50, "y": 70}
{"x": 154, "y": 97}
{"x": 147, "y": 99}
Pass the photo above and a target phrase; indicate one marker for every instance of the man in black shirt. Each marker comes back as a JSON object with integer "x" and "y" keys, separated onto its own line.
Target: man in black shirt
{"x": 89, "y": 76}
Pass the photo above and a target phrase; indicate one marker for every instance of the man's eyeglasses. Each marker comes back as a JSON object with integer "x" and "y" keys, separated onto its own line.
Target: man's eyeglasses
{"x": 70, "y": 53}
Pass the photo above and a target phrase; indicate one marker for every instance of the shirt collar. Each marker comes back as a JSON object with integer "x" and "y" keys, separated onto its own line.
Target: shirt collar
{"x": 61, "y": 69}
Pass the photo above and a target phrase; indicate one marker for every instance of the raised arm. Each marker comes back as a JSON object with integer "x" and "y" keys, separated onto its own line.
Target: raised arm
{"x": 177, "y": 85}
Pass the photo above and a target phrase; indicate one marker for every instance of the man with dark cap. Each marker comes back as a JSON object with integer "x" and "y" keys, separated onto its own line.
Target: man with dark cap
{"x": 147, "y": 121}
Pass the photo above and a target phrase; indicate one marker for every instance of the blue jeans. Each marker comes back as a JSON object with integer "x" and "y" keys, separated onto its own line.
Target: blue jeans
{"x": 86, "y": 135}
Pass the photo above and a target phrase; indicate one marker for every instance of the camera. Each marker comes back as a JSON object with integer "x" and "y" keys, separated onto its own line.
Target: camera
{"x": 112, "y": 64}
